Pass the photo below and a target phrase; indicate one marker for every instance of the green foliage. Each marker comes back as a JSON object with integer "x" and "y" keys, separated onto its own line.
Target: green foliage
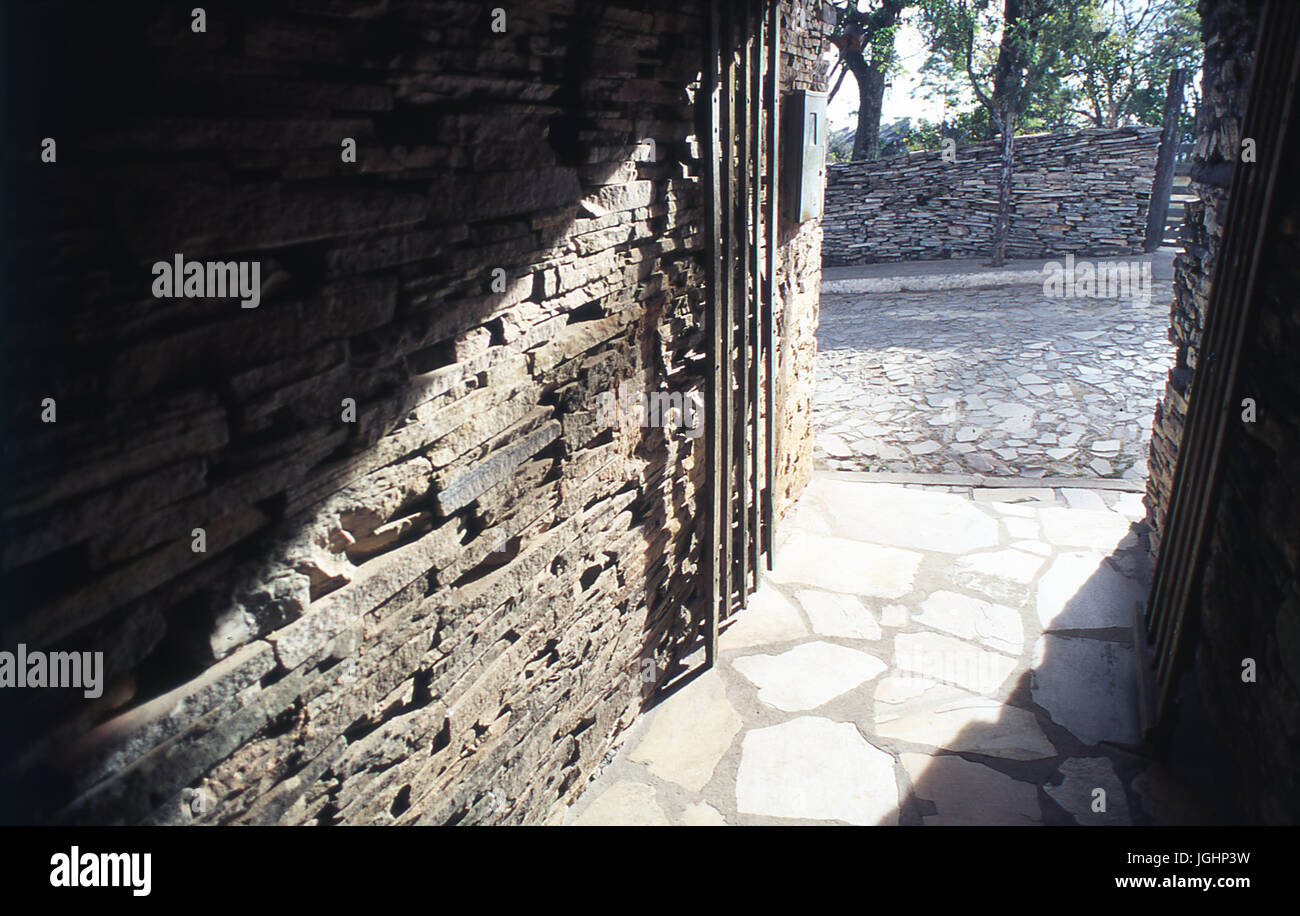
{"x": 839, "y": 147}
{"x": 1098, "y": 63}
{"x": 969, "y": 126}
{"x": 1122, "y": 70}
{"x": 868, "y": 28}
{"x": 864, "y": 33}
{"x": 907, "y": 135}
{"x": 1017, "y": 66}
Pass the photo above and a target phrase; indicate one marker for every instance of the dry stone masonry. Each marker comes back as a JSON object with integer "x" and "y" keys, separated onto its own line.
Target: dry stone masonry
{"x": 1229, "y": 33}
{"x": 1086, "y": 192}
{"x": 1250, "y": 601}
{"x": 356, "y": 547}
{"x": 1249, "y": 604}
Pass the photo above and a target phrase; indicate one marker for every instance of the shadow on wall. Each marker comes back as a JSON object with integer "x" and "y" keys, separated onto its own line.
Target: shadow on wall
{"x": 429, "y": 575}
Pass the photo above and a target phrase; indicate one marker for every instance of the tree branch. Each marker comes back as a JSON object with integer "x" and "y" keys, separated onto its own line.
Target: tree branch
{"x": 968, "y": 38}
{"x": 844, "y": 71}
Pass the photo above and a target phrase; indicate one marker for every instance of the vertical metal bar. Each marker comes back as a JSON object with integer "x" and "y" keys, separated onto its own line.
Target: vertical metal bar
{"x": 712, "y": 152}
{"x": 728, "y": 289}
{"x": 752, "y": 404}
{"x": 744, "y": 147}
{"x": 769, "y": 310}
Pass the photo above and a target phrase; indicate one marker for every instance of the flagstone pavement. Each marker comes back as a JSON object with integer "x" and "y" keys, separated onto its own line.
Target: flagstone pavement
{"x": 920, "y": 655}
{"x": 1002, "y": 381}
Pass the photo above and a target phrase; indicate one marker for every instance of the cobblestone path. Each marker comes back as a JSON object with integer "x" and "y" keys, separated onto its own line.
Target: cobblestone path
{"x": 998, "y": 381}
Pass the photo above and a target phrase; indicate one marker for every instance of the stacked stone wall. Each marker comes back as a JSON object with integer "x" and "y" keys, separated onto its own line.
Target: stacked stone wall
{"x": 368, "y": 552}
{"x": 1246, "y": 619}
{"x": 1085, "y": 193}
{"x": 1229, "y": 32}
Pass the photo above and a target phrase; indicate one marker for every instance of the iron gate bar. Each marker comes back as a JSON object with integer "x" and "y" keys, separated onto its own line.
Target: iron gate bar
{"x": 728, "y": 291}
{"x": 741, "y": 203}
{"x": 755, "y": 93}
{"x": 740, "y": 327}
{"x": 1197, "y": 474}
{"x": 712, "y": 73}
{"x": 769, "y": 312}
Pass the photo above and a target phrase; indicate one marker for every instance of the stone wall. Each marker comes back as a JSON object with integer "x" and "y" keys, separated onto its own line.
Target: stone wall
{"x": 799, "y": 267}
{"x": 799, "y": 295}
{"x": 1085, "y": 192}
{"x": 1249, "y": 604}
{"x": 1228, "y": 30}
{"x": 1250, "y": 599}
{"x": 365, "y": 553}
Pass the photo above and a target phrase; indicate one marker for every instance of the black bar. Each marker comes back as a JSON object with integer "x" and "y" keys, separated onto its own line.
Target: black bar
{"x": 711, "y": 150}
{"x": 728, "y": 289}
{"x": 769, "y": 311}
{"x": 754, "y": 402}
{"x": 744, "y": 147}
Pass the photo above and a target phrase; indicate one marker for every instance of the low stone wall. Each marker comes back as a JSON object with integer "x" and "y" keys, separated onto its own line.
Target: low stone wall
{"x": 1086, "y": 192}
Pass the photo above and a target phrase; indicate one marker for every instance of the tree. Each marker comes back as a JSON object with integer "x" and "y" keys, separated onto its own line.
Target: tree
{"x": 1011, "y": 56}
{"x": 1124, "y": 65}
{"x": 865, "y": 39}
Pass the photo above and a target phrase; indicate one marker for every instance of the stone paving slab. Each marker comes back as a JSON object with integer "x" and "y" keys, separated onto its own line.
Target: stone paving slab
{"x": 930, "y": 702}
{"x": 689, "y": 735}
{"x": 962, "y": 273}
{"x": 1002, "y": 381}
{"x": 916, "y": 276}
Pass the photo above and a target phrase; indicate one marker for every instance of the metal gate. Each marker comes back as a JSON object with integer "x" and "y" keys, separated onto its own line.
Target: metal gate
{"x": 741, "y": 84}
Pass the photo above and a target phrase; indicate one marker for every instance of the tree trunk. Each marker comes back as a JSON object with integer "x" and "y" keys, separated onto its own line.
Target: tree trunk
{"x": 1002, "y": 224}
{"x": 1158, "y": 210}
{"x": 871, "y": 97}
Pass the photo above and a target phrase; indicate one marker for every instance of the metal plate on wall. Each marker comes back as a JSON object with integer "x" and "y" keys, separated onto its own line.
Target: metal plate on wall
{"x": 804, "y": 160}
